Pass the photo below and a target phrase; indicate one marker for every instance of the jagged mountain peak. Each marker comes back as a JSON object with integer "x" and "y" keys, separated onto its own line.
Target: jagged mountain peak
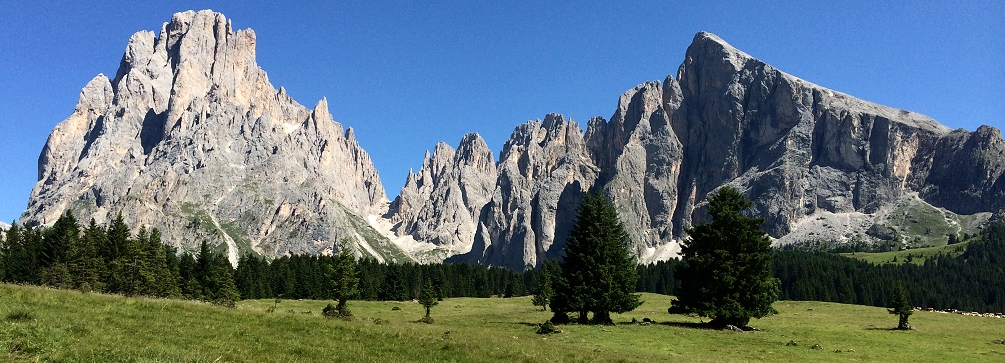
{"x": 192, "y": 138}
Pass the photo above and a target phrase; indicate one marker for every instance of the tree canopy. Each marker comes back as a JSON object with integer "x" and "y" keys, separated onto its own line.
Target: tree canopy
{"x": 598, "y": 271}
{"x": 726, "y": 272}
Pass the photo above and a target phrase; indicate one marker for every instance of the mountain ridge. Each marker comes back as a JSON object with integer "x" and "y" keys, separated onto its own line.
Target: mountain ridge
{"x": 191, "y": 137}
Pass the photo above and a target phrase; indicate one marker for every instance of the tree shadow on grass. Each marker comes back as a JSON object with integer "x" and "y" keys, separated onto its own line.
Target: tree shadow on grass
{"x": 689, "y": 325}
{"x": 887, "y": 329}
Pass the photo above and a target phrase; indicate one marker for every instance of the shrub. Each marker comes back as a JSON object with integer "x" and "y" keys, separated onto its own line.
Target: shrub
{"x": 546, "y": 328}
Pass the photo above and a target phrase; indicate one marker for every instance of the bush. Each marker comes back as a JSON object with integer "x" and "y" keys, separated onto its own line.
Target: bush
{"x": 332, "y": 311}
{"x": 426, "y": 319}
{"x": 546, "y": 328}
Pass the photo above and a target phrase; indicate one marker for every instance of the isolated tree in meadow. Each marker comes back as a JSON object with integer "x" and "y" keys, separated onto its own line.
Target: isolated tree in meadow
{"x": 544, "y": 292}
{"x": 726, "y": 271}
{"x": 598, "y": 272}
{"x": 344, "y": 281}
{"x": 901, "y": 307}
{"x": 427, "y": 297}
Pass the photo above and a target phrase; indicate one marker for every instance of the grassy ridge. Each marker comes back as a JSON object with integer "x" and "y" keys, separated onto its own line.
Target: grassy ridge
{"x": 919, "y": 255}
{"x": 50, "y": 325}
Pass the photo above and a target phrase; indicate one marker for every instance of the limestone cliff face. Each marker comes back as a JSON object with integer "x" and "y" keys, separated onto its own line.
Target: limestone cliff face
{"x": 442, "y": 202}
{"x": 543, "y": 171}
{"x": 966, "y": 170}
{"x": 640, "y": 158}
{"x": 812, "y": 161}
{"x": 191, "y": 138}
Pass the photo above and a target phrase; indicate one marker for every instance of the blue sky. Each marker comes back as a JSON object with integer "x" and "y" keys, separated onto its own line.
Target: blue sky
{"x": 406, "y": 75}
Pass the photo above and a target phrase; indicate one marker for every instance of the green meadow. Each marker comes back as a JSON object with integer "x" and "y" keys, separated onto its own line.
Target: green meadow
{"x": 40, "y": 324}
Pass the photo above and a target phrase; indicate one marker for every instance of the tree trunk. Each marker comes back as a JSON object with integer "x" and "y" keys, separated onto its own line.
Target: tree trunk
{"x": 583, "y": 318}
{"x": 427, "y": 312}
{"x": 903, "y": 325}
{"x": 720, "y": 323}
{"x": 602, "y": 317}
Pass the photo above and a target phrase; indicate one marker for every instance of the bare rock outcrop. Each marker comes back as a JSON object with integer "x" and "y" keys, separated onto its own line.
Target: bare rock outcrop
{"x": 544, "y": 169}
{"x": 441, "y": 203}
{"x": 809, "y": 158}
{"x": 191, "y": 137}
{"x": 793, "y": 147}
{"x": 640, "y": 158}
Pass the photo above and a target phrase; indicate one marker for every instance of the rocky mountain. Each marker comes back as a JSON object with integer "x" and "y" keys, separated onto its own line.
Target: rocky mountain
{"x": 817, "y": 164}
{"x": 441, "y": 204}
{"x": 191, "y": 137}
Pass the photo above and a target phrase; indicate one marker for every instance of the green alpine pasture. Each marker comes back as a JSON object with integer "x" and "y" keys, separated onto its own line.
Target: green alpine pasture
{"x": 40, "y": 324}
{"x": 916, "y": 256}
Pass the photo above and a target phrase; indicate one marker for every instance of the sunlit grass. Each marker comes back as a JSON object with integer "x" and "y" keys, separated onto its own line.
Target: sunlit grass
{"x": 50, "y": 325}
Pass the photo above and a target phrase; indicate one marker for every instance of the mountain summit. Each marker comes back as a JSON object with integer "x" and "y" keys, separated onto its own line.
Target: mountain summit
{"x": 817, "y": 164}
{"x": 191, "y": 138}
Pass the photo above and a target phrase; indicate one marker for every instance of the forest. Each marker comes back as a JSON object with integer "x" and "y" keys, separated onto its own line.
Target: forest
{"x": 111, "y": 259}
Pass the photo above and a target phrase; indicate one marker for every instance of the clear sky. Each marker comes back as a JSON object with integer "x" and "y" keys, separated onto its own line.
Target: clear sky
{"x": 407, "y": 74}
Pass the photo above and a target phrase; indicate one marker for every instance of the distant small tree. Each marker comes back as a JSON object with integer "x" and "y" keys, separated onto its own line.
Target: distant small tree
{"x": 542, "y": 297}
{"x": 901, "y": 307}
{"x": 344, "y": 281}
{"x": 427, "y": 297}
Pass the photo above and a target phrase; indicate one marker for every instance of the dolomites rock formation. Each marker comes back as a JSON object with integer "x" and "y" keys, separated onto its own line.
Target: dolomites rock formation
{"x": 191, "y": 138}
{"x": 544, "y": 169}
{"x": 809, "y": 158}
{"x": 441, "y": 204}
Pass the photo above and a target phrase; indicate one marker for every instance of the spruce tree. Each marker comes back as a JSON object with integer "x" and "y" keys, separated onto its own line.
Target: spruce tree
{"x": 344, "y": 281}
{"x": 542, "y": 297}
{"x": 901, "y": 307}
{"x": 598, "y": 272}
{"x": 726, "y": 271}
{"x": 427, "y": 297}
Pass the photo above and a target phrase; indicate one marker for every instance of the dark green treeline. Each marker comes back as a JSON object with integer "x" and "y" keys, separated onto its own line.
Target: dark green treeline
{"x": 305, "y": 277}
{"x": 96, "y": 258}
{"x": 110, "y": 259}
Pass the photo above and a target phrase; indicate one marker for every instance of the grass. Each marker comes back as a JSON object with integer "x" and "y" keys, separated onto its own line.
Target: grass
{"x": 923, "y": 225}
{"x": 52, "y": 325}
{"x": 918, "y": 255}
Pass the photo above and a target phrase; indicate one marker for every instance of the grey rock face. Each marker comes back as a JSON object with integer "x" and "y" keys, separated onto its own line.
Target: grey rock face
{"x": 966, "y": 172}
{"x": 797, "y": 149}
{"x": 441, "y": 203}
{"x": 191, "y": 138}
{"x": 640, "y": 158}
{"x": 807, "y": 157}
{"x": 544, "y": 169}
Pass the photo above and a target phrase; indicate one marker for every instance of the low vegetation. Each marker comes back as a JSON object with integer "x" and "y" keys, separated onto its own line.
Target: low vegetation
{"x": 42, "y": 324}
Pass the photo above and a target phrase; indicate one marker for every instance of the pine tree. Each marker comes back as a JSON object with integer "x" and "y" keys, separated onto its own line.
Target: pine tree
{"x": 215, "y": 275}
{"x": 544, "y": 292}
{"x": 54, "y": 254}
{"x": 428, "y": 300}
{"x": 598, "y": 272}
{"x": 726, "y": 271}
{"x": 87, "y": 266}
{"x": 901, "y": 307}
{"x": 344, "y": 281}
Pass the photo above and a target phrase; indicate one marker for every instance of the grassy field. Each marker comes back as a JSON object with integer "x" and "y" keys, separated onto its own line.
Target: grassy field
{"x": 918, "y": 255}
{"x": 48, "y": 325}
